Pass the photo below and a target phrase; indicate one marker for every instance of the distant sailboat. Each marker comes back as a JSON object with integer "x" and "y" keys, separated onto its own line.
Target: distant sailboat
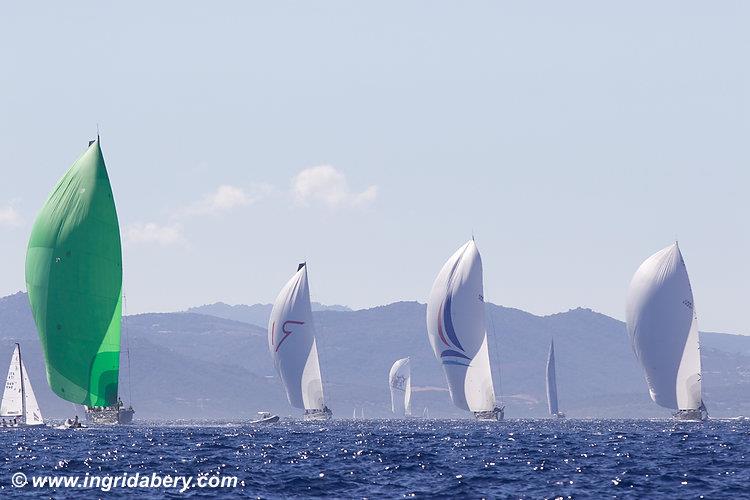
{"x": 663, "y": 330}
{"x": 19, "y": 404}
{"x": 457, "y": 333}
{"x": 74, "y": 280}
{"x": 552, "y": 383}
{"x": 399, "y": 380}
{"x": 293, "y": 347}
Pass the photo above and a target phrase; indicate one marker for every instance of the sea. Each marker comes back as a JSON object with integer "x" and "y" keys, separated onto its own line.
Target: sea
{"x": 418, "y": 458}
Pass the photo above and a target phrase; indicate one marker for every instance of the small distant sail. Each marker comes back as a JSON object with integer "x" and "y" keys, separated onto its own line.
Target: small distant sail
{"x": 456, "y": 330}
{"x": 18, "y": 398}
{"x": 552, "y": 381}
{"x": 74, "y": 280}
{"x": 291, "y": 341}
{"x": 663, "y": 330}
{"x": 12, "y": 405}
{"x": 399, "y": 380}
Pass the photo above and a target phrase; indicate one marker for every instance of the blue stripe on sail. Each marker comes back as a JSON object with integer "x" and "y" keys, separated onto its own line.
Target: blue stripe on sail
{"x": 454, "y": 363}
{"x": 454, "y": 353}
{"x": 448, "y": 321}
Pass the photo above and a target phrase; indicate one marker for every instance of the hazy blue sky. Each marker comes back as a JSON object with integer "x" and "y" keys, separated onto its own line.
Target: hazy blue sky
{"x": 371, "y": 139}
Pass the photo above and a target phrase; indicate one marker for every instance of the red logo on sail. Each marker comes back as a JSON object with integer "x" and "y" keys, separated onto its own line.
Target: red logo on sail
{"x": 287, "y": 332}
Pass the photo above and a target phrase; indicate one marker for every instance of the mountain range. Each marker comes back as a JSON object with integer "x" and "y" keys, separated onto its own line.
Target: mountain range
{"x": 212, "y": 362}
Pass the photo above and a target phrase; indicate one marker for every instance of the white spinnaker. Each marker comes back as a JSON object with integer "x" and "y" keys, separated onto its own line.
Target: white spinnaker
{"x": 12, "y": 404}
{"x": 33, "y": 413}
{"x": 399, "y": 380}
{"x": 291, "y": 340}
{"x": 663, "y": 329}
{"x": 456, "y": 330}
{"x": 551, "y": 381}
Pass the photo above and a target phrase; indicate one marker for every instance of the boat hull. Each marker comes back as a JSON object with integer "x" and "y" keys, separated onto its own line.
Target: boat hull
{"x": 317, "y": 415}
{"x": 262, "y": 421}
{"x": 110, "y": 415}
{"x": 494, "y": 415}
{"x": 691, "y": 415}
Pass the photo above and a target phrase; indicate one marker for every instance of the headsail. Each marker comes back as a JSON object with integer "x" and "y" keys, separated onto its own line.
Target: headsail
{"x": 291, "y": 341}
{"x": 18, "y": 396}
{"x": 663, "y": 330}
{"x": 399, "y": 380}
{"x": 74, "y": 280}
{"x": 456, "y": 330}
{"x": 12, "y": 404}
{"x": 552, "y": 381}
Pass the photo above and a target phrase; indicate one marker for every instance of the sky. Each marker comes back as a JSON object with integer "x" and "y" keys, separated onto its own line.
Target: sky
{"x": 372, "y": 139}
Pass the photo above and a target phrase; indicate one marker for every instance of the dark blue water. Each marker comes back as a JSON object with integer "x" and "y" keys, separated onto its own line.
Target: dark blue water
{"x": 422, "y": 458}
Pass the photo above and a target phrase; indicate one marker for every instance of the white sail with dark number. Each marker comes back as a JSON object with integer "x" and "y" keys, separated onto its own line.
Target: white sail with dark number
{"x": 19, "y": 402}
{"x": 552, "y": 403}
{"x": 457, "y": 333}
{"x": 663, "y": 330}
{"x": 293, "y": 347}
{"x": 399, "y": 380}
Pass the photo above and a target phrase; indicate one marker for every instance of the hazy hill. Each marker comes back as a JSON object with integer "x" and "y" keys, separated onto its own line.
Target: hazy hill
{"x": 256, "y": 314}
{"x": 188, "y": 365}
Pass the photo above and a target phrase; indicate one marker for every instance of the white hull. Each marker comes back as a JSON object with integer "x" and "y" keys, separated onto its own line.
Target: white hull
{"x": 494, "y": 415}
{"x": 317, "y": 415}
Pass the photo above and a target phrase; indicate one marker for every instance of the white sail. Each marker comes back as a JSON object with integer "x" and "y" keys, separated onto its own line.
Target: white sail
{"x": 291, "y": 340}
{"x": 399, "y": 380}
{"x": 12, "y": 405}
{"x": 456, "y": 330}
{"x": 552, "y": 381}
{"x": 33, "y": 413}
{"x": 18, "y": 396}
{"x": 663, "y": 330}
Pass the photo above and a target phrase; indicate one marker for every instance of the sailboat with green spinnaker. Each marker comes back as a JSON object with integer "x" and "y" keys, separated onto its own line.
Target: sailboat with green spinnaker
{"x": 74, "y": 280}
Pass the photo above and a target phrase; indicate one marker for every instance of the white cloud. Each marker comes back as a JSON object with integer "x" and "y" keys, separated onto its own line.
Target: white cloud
{"x": 226, "y": 198}
{"x": 10, "y": 217}
{"x": 152, "y": 232}
{"x": 327, "y": 185}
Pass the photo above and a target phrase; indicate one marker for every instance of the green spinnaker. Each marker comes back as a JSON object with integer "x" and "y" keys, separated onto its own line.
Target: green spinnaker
{"x": 74, "y": 280}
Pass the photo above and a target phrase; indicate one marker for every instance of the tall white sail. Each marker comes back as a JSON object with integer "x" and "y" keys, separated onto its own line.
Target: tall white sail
{"x": 12, "y": 404}
{"x": 291, "y": 340}
{"x": 663, "y": 330}
{"x": 18, "y": 396}
{"x": 399, "y": 380}
{"x": 552, "y": 381}
{"x": 33, "y": 413}
{"x": 456, "y": 330}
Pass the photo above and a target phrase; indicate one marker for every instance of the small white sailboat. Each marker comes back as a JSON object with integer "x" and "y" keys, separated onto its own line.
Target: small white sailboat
{"x": 19, "y": 407}
{"x": 293, "y": 347}
{"x": 663, "y": 331}
{"x": 554, "y": 410}
{"x": 399, "y": 380}
{"x": 458, "y": 336}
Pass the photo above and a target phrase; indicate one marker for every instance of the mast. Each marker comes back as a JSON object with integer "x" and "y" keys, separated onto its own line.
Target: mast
{"x": 23, "y": 389}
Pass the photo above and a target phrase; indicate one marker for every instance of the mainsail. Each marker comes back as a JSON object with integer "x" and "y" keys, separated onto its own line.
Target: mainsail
{"x": 552, "y": 381}
{"x": 663, "y": 330}
{"x": 399, "y": 380}
{"x": 291, "y": 340}
{"x": 74, "y": 280}
{"x": 18, "y": 396}
{"x": 456, "y": 330}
